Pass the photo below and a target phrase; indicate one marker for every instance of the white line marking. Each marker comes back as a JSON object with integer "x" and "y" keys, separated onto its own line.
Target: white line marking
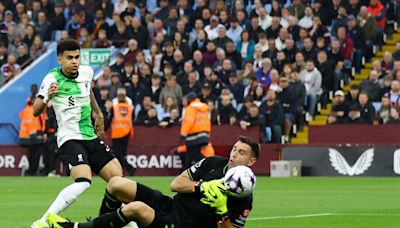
{"x": 291, "y": 216}
{"x": 320, "y": 215}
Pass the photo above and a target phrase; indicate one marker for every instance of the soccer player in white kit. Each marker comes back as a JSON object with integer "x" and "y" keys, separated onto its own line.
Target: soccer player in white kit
{"x": 68, "y": 88}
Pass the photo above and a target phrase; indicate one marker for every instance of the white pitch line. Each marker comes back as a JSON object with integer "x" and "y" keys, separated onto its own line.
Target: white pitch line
{"x": 320, "y": 215}
{"x": 291, "y": 216}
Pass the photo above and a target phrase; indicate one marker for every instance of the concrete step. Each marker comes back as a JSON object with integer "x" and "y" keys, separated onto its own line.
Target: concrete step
{"x": 390, "y": 48}
{"x": 368, "y": 65}
{"x": 365, "y": 72}
{"x": 299, "y": 141}
{"x": 360, "y": 77}
{"x": 320, "y": 118}
{"x": 302, "y": 135}
{"x": 317, "y": 123}
{"x": 325, "y": 111}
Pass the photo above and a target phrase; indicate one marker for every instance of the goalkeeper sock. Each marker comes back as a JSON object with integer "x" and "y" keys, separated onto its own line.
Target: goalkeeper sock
{"x": 67, "y": 196}
{"x": 113, "y": 219}
{"x": 109, "y": 204}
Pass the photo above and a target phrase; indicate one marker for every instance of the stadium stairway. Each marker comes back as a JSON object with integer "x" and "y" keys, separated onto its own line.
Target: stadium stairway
{"x": 301, "y": 137}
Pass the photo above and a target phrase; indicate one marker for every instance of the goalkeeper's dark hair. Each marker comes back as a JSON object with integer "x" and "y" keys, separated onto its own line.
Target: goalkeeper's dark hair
{"x": 67, "y": 45}
{"x": 255, "y": 147}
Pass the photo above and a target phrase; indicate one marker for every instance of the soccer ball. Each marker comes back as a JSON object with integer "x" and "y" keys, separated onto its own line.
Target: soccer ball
{"x": 240, "y": 181}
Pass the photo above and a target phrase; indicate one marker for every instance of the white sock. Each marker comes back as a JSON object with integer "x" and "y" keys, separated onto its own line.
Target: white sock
{"x": 66, "y": 197}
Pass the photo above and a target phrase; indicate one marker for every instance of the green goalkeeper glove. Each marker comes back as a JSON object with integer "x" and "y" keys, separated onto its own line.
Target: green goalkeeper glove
{"x": 214, "y": 193}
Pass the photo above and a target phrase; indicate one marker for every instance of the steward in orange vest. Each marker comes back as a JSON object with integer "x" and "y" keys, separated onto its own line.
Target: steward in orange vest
{"x": 121, "y": 117}
{"x": 31, "y": 127}
{"x": 31, "y": 135}
{"x": 195, "y": 129}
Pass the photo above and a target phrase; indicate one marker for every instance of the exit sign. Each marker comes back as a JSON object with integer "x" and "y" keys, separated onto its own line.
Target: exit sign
{"x": 95, "y": 57}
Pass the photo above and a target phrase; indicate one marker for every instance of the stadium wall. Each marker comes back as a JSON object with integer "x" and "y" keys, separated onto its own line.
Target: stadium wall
{"x": 151, "y": 151}
{"x": 14, "y": 94}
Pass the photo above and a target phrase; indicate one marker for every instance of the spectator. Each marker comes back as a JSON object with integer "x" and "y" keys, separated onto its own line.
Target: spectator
{"x": 134, "y": 89}
{"x": 394, "y": 115}
{"x": 171, "y": 120}
{"x": 394, "y": 93}
{"x": 236, "y": 87}
{"x": 384, "y": 111}
{"x": 234, "y": 32}
{"x": 213, "y": 112}
{"x": 297, "y": 9}
{"x": 29, "y": 35}
{"x": 396, "y": 54}
{"x": 288, "y": 100}
{"x": 366, "y": 108}
{"x": 299, "y": 91}
{"x": 42, "y": 27}
{"x": 23, "y": 57}
{"x": 264, "y": 19}
{"x": 37, "y": 47}
{"x": 143, "y": 109}
{"x": 255, "y": 30}
{"x": 206, "y": 94}
{"x": 115, "y": 83}
{"x": 273, "y": 30}
{"x": 192, "y": 84}
{"x": 327, "y": 72}
{"x": 273, "y": 117}
{"x": 56, "y": 18}
{"x": 312, "y": 80}
{"x": 387, "y": 62}
{"x": 226, "y": 111}
{"x": 352, "y": 97}
{"x": 232, "y": 54}
{"x": 340, "y": 109}
{"x": 354, "y": 116}
{"x": 306, "y": 21}
{"x": 11, "y": 68}
{"x": 371, "y": 86}
{"x": 253, "y": 119}
{"x": 245, "y": 46}
{"x": 102, "y": 40}
{"x": 331, "y": 118}
{"x": 377, "y": 9}
{"x": 213, "y": 28}
{"x": 210, "y": 55}
{"x": 263, "y": 73}
{"x": 222, "y": 39}
{"x": 171, "y": 89}
{"x": 369, "y": 26}
{"x": 164, "y": 110}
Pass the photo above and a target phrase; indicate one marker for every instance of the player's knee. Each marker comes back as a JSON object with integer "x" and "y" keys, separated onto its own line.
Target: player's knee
{"x": 137, "y": 210}
{"x": 83, "y": 182}
{"x": 115, "y": 185}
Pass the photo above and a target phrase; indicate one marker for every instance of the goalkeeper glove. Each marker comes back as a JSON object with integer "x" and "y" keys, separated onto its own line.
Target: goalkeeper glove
{"x": 214, "y": 193}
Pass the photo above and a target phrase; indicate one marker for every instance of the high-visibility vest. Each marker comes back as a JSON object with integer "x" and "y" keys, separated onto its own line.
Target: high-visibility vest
{"x": 206, "y": 151}
{"x": 121, "y": 124}
{"x": 30, "y": 124}
{"x": 196, "y": 124}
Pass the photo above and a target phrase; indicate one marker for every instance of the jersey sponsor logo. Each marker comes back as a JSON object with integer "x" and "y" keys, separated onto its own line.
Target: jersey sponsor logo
{"x": 71, "y": 101}
{"x": 340, "y": 164}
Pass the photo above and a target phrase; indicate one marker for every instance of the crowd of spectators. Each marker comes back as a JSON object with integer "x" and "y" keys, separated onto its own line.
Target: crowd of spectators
{"x": 260, "y": 63}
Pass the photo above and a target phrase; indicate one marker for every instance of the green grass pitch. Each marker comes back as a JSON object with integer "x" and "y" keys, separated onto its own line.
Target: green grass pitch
{"x": 283, "y": 202}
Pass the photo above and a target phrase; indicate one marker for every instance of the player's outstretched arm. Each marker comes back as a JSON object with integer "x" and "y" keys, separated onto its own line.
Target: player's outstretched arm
{"x": 183, "y": 183}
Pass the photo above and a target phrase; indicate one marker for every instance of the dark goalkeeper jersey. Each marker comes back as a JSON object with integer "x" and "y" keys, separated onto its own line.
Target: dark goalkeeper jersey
{"x": 190, "y": 212}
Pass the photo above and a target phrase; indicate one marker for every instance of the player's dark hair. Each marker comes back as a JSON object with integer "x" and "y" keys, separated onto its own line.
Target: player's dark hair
{"x": 67, "y": 45}
{"x": 255, "y": 147}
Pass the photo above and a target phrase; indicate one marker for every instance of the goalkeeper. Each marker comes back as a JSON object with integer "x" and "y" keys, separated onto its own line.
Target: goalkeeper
{"x": 201, "y": 200}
